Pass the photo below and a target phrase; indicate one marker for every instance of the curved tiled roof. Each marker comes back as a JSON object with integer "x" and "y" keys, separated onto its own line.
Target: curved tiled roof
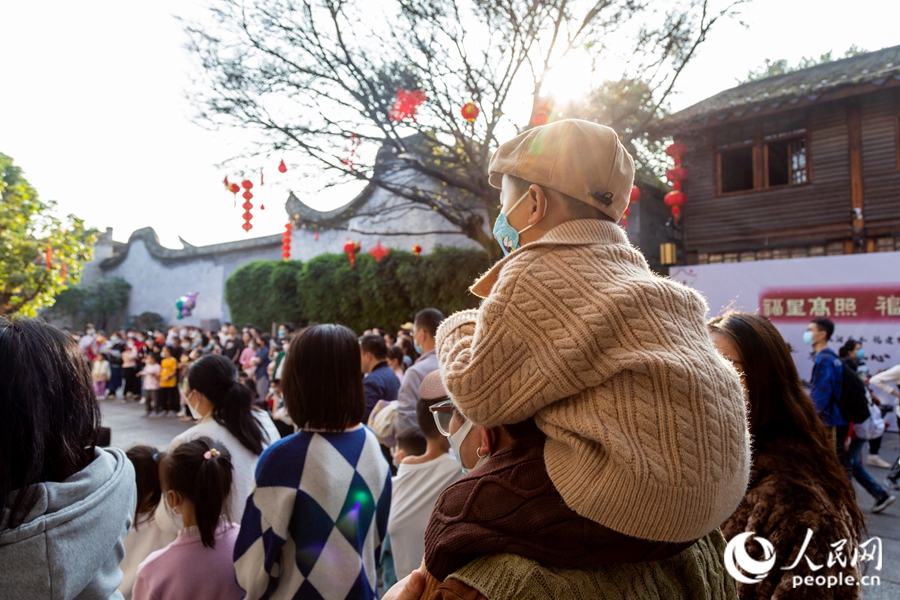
{"x": 810, "y": 84}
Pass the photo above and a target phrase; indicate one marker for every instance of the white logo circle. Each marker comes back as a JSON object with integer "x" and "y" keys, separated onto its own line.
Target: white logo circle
{"x": 736, "y": 556}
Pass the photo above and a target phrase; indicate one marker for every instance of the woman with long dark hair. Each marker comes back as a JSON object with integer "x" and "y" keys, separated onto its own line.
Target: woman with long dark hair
{"x": 65, "y": 505}
{"x": 322, "y": 495}
{"x": 225, "y": 409}
{"x": 796, "y": 481}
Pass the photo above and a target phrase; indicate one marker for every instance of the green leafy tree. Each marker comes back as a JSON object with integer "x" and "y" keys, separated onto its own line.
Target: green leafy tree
{"x": 265, "y": 291}
{"x": 781, "y": 66}
{"x": 27, "y": 228}
{"x": 102, "y": 302}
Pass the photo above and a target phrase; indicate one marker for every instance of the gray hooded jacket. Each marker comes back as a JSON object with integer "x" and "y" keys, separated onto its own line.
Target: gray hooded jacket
{"x": 70, "y": 543}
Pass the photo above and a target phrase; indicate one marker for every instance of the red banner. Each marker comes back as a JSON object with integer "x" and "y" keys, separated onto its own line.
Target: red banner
{"x": 796, "y": 305}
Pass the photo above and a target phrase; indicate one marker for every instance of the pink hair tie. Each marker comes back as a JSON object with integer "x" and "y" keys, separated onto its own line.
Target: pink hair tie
{"x": 212, "y": 452}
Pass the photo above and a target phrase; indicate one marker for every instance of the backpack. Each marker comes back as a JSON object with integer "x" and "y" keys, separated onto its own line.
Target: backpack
{"x": 853, "y": 403}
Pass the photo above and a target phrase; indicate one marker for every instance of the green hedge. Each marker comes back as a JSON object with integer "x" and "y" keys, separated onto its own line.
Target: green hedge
{"x": 328, "y": 290}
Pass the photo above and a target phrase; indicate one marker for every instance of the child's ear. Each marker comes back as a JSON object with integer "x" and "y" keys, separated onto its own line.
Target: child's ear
{"x": 173, "y": 499}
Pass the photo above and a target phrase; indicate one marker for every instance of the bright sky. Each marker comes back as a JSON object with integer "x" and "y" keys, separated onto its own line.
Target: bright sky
{"x": 92, "y": 105}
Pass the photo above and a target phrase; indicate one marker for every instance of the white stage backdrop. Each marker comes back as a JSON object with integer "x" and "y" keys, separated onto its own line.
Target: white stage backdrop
{"x": 859, "y": 292}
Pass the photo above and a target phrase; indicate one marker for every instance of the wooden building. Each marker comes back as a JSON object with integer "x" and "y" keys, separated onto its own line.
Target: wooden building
{"x": 801, "y": 164}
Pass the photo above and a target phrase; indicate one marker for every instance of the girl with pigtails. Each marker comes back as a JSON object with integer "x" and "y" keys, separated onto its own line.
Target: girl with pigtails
{"x": 197, "y": 478}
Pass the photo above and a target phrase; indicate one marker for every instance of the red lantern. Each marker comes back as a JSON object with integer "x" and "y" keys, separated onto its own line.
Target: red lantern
{"x": 406, "y": 104}
{"x": 248, "y": 195}
{"x": 675, "y": 199}
{"x": 379, "y": 251}
{"x": 351, "y": 248}
{"x": 282, "y": 168}
{"x": 246, "y": 184}
{"x": 247, "y": 227}
{"x": 676, "y": 212}
{"x": 625, "y": 216}
{"x": 286, "y": 241}
{"x": 676, "y": 149}
{"x": 635, "y": 194}
{"x": 234, "y": 188}
{"x": 49, "y": 257}
{"x": 262, "y": 207}
{"x": 227, "y": 185}
{"x": 417, "y": 250}
{"x": 676, "y": 174}
{"x": 470, "y": 112}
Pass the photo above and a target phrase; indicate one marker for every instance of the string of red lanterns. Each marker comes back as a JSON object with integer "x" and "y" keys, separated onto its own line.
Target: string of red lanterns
{"x": 247, "y": 195}
{"x": 286, "y": 241}
{"x": 676, "y": 199}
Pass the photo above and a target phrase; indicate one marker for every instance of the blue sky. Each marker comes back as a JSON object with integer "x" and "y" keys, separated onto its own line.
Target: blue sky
{"x": 92, "y": 106}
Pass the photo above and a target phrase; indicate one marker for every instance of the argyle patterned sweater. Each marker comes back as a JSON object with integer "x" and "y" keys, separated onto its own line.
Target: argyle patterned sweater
{"x": 314, "y": 524}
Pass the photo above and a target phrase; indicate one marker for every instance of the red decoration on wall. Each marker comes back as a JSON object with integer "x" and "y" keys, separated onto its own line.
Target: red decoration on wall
{"x": 379, "y": 251}
{"x": 406, "y": 104}
{"x": 282, "y": 168}
{"x": 247, "y": 206}
{"x": 676, "y": 199}
{"x": 286, "y": 241}
{"x": 351, "y": 248}
{"x": 470, "y": 112}
{"x": 49, "y": 258}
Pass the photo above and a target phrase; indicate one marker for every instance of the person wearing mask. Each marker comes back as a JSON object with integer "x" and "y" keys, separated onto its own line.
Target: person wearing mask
{"x": 379, "y": 381}
{"x": 503, "y": 532}
{"x": 425, "y": 327}
{"x": 851, "y": 355}
{"x": 197, "y": 482}
{"x": 826, "y": 383}
{"x": 150, "y": 385}
{"x": 130, "y": 370}
{"x": 233, "y": 346}
{"x": 409, "y": 350}
{"x": 321, "y": 496}
{"x": 797, "y": 481}
{"x": 260, "y": 364}
{"x": 88, "y": 343}
{"x": 100, "y": 375}
{"x": 395, "y": 361}
{"x": 419, "y": 482}
{"x": 168, "y": 383}
{"x": 145, "y": 536}
{"x": 66, "y": 504}
{"x": 225, "y": 412}
{"x": 115, "y": 347}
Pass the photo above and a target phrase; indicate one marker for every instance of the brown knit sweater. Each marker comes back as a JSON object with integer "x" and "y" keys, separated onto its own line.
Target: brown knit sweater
{"x": 509, "y": 505}
{"x": 784, "y": 500}
{"x": 646, "y": 422}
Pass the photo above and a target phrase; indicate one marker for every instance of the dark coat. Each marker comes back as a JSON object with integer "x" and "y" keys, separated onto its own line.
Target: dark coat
{"x": 784, "y": 499}
{"x": 380, "y": 384}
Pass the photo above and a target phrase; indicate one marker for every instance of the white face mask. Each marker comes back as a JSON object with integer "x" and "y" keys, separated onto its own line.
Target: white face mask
{"x": 194, "y": 412}
{"x": 456, "y": 441}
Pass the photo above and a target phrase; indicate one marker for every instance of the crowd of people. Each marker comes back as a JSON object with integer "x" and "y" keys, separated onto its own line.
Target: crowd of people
{"x": 586, "y": 432}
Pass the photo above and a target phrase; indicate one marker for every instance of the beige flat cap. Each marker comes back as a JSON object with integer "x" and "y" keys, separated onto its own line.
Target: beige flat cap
{"x": 432, "y": 387}
{"x": 578, "y": 158}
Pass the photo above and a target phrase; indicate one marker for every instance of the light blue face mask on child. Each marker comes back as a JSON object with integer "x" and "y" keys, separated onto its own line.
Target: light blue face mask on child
{"x": 505, "y": 234}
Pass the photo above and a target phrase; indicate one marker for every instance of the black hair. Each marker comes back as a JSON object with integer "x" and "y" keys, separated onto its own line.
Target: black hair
{"x": 321, "y": 382}
{"x": 412, "y": 441}
{"x": 425, "y": 418}
{"x": 395, "y": 353}
{"x": 215, "y": 377}
{"x": 846, "y": 351}
{"x": 429, "y": 319}
{"x": 51, "y": 419}
{"x": 408, "y": 348}
{"x": 826, "y": 325}
{"x": 204, "y": 481}
{"x": 146, "y": 470}
{"x": 374, "y": 344}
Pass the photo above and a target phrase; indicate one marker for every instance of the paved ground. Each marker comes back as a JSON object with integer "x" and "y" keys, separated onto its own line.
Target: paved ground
{"x": 129, "y": 429}
{"x": 885, "y": 525}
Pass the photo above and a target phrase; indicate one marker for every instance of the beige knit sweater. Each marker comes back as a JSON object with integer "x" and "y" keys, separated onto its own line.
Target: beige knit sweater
{"x": 646, "y": 423}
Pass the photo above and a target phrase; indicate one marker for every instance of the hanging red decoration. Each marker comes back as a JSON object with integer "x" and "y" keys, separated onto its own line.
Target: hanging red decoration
{"x": 351, "y": 248}
{"x": 676, "y": 199}
{"x": 316, "y": 236}
{"x": 406, "y": 104}
{"x": 541, "y": 111}
{"x": 353, "y": 149}
{"x": 625, "y": 216}
{"x": 247, "y": 206}
{"x": 262, "y": 180}
{"x": 227, "y": 185}
{"x": 282, "y": 168}
{"x": 247, "y": 227}
{"x": 246, "y": 184}
{"x": 470, "y": 112}
{"x": 635, "y": 194}
{"x": 417, "y": 250}
{"x": 286, "y": 241}
{"x": 378, "y": 251}
{"x": 49, "y": 258}
{"x": 248, "y": 195}
{"x": 234, "y": 189}
{"x": 63, "y": 271}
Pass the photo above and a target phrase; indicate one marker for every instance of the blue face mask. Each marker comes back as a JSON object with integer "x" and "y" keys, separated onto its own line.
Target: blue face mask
{"x": 505, "y": 234}
{"x": 807, "y": 338}
{"x": 418, "y": 348}
{"x": 860, "y": 353}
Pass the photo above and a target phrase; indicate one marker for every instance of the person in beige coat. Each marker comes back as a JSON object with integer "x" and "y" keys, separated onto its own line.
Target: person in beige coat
{"x": 645, "y": 422}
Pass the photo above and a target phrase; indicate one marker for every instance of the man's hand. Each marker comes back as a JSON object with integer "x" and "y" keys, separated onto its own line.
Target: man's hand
{"x": 408, "y": 588}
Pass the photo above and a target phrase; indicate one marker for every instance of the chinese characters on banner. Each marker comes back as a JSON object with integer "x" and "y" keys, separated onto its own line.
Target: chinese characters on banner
{"x": 872, "y": 306}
